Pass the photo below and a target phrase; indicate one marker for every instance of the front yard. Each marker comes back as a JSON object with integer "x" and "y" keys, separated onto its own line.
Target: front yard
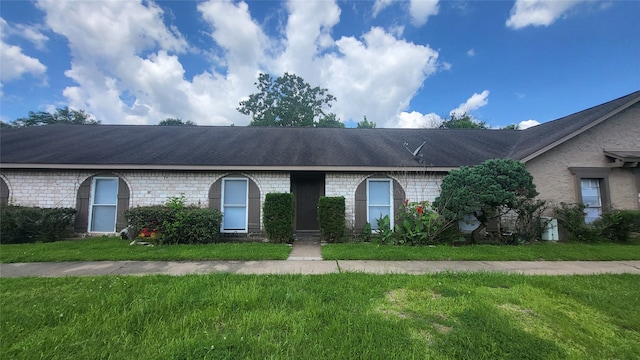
{"x": 537, "y": 251}
{"x": 114, "y": 248}
{"x": 111, "y": 248}
{"x": 337, "y": 316}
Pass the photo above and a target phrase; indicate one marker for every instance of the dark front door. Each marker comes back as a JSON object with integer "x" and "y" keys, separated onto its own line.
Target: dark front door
{"x": 307, "y": 189}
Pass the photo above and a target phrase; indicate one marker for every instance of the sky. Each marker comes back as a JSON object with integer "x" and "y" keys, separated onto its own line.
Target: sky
{"x": 402, "y": 64}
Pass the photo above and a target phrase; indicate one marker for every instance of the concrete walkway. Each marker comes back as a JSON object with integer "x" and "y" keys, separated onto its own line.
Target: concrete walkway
{"x": 306, "y": 258}
{"x": 313, "y": 267}
{"x": 306, "y": 248}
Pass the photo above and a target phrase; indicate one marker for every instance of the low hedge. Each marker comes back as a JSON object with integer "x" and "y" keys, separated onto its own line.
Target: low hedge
{"x": 20, "y": 224}
{"x": 176, "y": 224}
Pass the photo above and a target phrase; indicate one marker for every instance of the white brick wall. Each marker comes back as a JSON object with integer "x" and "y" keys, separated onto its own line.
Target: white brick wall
{"x": 417, "y": 187}
{"x": 44, "y": 188}
{"x": 59, "y": 188}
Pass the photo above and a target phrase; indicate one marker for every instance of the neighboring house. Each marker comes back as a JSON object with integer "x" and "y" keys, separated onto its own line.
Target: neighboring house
{"x": 591, "y": 156}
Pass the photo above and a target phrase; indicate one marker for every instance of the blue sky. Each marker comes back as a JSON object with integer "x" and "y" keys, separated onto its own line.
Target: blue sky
{"x": 400, "y": 63}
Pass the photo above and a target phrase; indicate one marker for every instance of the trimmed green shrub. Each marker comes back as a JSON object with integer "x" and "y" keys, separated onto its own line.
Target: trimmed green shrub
{"x": 617, "y": 225}
{"x": 30, "y": 224}
{"x": 192, "y": 225}
{"x": 571, "y": 217}
{"x": 175, "y": 223}
{"x": 149, "y": 218}
{"x": 278, "y": 214}
{"x": 331, "y": 217}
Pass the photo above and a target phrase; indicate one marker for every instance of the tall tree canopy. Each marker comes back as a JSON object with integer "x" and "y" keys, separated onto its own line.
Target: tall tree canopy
{"x": 176, "y": 122}
{"x": 60, "y": 116}
{"x": 288, "y": 101}
{"x": 463, "y": 121}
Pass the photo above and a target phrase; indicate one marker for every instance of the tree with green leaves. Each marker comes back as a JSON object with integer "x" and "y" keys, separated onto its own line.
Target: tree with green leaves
{"x": 176, "y": 122}
{"x": 487, "y": 191}
{"x": 366, "y": 124}
{"x": 330, "y": 121}
{"x": 511, "y": 127}
{"x": 288, "y": 101}
{"x": 60, "y": 116}
{"x": 464, "y": 121}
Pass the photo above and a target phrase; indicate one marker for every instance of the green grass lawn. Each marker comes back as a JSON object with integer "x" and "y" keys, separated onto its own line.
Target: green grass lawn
{"x": 537, "y": 251}
{"x": 113, "y": 248}
{"x": 336, "y": 316}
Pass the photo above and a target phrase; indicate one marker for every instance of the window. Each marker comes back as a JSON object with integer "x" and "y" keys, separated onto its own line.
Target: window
{"x": 234, "y": 205}
{"x": 590, "y": 191}
{"x": 104, "y": 205}
{"x": 379, "y": 201}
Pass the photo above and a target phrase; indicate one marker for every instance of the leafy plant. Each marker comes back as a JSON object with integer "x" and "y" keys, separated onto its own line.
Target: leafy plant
{"x": 278, "y": 214}
{"x": 487, "y": 190}
{"x": 530, "y": 222}
{"x": 331, "y": 217}
{"x": 366, "y": 233}
{"x": 176, "y": 223}
{"x": 572, "y": 218}
{"x": 617, "y": 225}
{"x": 419, "y": 224}
{"x": 22, "y": 224}
{"x": 385, "y": 233}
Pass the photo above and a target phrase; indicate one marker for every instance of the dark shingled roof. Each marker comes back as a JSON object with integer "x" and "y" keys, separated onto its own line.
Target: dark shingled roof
{"x": 543, "y": 135}
{"x": 249, "y": 146}
{"x": 279, "y": 148}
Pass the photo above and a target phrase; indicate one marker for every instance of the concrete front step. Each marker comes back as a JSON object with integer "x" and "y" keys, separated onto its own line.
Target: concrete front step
{"x": 306, "y": 246}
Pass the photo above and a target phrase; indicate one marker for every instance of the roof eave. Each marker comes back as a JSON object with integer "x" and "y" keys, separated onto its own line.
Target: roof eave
{"x": 35, "y": 166}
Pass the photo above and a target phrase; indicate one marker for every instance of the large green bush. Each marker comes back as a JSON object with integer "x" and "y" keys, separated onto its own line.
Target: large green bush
{"x": 487, "y": 190}
{"x": 331, "y": 217}
{"x": 175, "y": 223}
{"x": 278, "y": 214}
{"x": 615, "y": 225}
{"x": 19, "y": 224}
{"x": 571, "y": 217}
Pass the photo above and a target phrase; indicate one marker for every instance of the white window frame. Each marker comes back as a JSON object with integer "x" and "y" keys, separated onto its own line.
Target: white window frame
{"x": 591, "y": 206}
{"x": 390, "y": 205}
{"x": 92, "y": 203}
{"x": 223, "y": 206}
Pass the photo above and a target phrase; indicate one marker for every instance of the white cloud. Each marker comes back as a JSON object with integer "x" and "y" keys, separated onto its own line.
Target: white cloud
{"x": 127, "y": 67}
{"x": 14, "y": 62}
{"x": 235, "y": 31}
{"x": 33, "y": 34}
{"x": 471, "y": 53}
{"x": 475, "y": 102}
{"x": 538, "y": 12}
{"x": 378, "y": 75}
{"x": 116, "y": 81}
{"x": 527, "y": 124}
{"x": 380, "y": 5}
{"x": 420, "y": 11}
{"x": 415, "y": 120}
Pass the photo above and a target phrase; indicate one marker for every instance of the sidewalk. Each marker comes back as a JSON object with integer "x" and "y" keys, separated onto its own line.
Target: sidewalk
{"x": 314, "y": 267}
{"x": 306, "y": 258}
